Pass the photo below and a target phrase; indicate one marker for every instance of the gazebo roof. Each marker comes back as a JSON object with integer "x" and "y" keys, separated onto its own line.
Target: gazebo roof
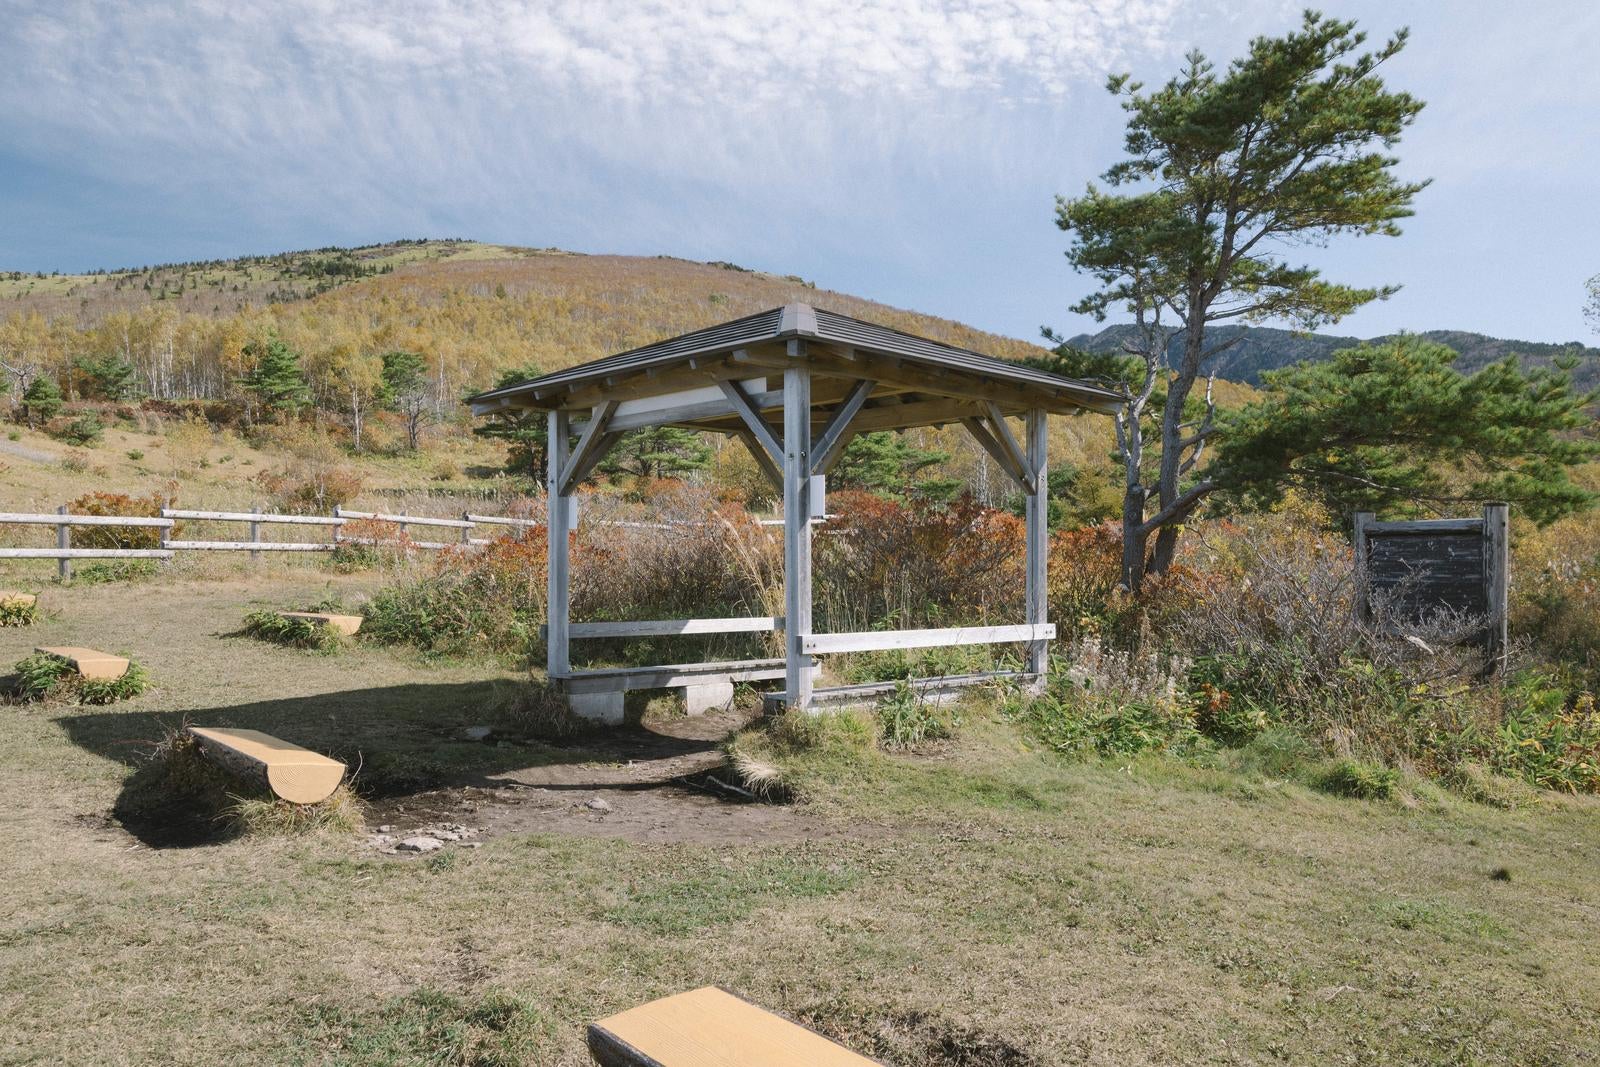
{"x": 911, "y": 370}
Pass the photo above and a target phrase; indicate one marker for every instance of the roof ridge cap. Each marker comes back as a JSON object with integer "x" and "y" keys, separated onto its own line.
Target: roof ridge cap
{"x": 798, "y": 318}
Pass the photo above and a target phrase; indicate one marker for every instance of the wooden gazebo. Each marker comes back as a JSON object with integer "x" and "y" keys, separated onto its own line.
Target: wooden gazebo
{"x": 795, "y": 384}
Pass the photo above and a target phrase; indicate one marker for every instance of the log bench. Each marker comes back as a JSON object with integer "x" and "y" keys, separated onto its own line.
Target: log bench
{"x": 89, "y": 663}
{"x": 292, "y": 773}
{"x": 598, "y": 693}
{"x": 344, "y": 624}
{"x": 710, "y": 1027}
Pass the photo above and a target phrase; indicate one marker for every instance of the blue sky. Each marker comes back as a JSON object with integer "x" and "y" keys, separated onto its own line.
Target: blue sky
{"x": 904, "y": 151}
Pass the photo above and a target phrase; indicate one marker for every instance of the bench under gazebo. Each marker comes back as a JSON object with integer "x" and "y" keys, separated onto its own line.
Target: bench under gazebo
{"x": 795, "y": 384}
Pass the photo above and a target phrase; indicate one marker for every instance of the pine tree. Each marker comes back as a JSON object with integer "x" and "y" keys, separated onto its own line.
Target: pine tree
{"x": 1288, "y": 146}
{"x": 886, "y": 463}
{"x": 405, "y": 389}
{"x": 276, "y": 380}
{"x": 657, "y": 452}
{"x": 42, "y": 400}
{"x": 524, "y": 430}
{"x": 1398, "y": 427}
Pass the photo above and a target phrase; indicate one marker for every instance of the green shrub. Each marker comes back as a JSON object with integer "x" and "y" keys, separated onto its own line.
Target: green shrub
{"x": 1077, "y": 718}
{"x": 83, "y": 431}
{"x": 108, "y": 504}
{"x": 906, "y": 719}
{"x": 42, "y": 676}
{"x": 293, "y": 633}
{"x": 14, "y": 611}
{"x": 1364, "y": 781}
{"x": 135, "y": 454}
{"x": 107, "y": 572}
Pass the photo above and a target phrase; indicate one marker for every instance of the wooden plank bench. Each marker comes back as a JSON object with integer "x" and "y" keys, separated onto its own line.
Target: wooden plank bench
{"x": 598, "y": 693}
{"x": 711, "y": 1027}
{"x": 19, "y": 599}
{"x": 345, "y": 624}
{"x": 88, "y": 662}
{"x": 295, "y": 774}
{"x": 933, "y": 690}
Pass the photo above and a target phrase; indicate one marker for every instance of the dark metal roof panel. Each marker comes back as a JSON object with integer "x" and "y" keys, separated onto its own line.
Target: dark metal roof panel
{"x": 799, "y": 320}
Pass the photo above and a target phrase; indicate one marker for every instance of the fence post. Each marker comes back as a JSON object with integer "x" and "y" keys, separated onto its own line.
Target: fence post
{"x": 466, "y": 531}
{"x": 63, "y": 541}
{"x": 1496, "y": 580}
{"x": 336, "y": 526}
{"x": 255, "y": 536}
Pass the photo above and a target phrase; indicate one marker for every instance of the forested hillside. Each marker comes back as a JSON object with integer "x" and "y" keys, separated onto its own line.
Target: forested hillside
{"x": 1261, "y": 348}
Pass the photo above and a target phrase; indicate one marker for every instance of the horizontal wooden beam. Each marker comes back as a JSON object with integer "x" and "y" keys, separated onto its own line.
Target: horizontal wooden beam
{"x": 255, "y": 546}
{"x": 675, "y": 627}
{"x": 30, "y": 519}
{"x": 825, "y": 644}
{"x": 251, "y": 516}
{"x": 84, "y": 553}
{"x": 407, "y": 520}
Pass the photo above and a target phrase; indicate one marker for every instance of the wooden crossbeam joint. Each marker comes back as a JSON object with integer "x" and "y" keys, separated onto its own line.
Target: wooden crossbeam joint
{"x": 836, "y": 435}
{"x": 746, "y": 410}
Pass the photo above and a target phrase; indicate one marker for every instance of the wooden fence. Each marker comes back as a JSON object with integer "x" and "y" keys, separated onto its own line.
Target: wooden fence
{"x": 64, "y": 553}
{"x": 1459, "y": 565}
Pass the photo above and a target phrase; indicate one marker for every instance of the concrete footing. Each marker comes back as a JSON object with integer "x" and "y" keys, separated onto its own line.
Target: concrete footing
{"x": 707, "y": 696}
{"x": 598, "y": 707}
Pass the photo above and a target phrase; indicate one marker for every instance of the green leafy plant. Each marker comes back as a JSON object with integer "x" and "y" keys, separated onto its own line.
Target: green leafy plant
{"x": 908, "y": 719}
{"x": 17, "y": 611}
{"x": 1364, "y": 781}
{"x": 42, "y": 676}
{"x": 293, "y": 633}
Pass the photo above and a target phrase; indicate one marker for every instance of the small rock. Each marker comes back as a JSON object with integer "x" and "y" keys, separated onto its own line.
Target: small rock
{"x": 597, "y": 804}
{"x": 419, "y": 844}
{"x": 472, "y": 844}
{"x": 477, "y": 733}
{"x": 446, "y": 835}
{"x": 386, "y": 829}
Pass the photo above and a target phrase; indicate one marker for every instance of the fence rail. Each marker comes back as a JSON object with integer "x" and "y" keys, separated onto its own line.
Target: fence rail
{"x": 64, "y": 552}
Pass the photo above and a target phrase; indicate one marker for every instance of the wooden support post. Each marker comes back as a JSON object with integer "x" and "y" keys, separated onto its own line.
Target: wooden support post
{"x": 63, "y": 540}
{"x": 466, "y": 531}
{"x": 558, "y": 506}
{"x": 1363, "y": 519}
{"x": 797, "y": 534}
{"x": 255, "y": 536}
{"x": 336, "y": 515}
{"x": 1496, "y": 581}
{"x": 1036, "y": 519}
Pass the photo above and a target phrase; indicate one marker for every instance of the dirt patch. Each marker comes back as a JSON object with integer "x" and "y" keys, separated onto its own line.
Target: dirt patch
{"x": 638, "y": 783}
{"x": 920, "y": 1039}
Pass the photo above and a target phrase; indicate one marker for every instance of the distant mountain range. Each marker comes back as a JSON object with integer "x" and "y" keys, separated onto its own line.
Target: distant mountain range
{"x": 1264, "y": 349}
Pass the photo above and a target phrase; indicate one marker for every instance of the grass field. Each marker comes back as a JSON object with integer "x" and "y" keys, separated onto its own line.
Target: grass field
{"x": 970, "y": 904}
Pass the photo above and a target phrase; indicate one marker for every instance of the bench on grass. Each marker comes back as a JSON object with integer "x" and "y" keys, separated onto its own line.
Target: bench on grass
{"x": 598, "y": 693}
{"x": 295, "y": 774}
{"x": 89, "y": 663}
{"x": 12, "y": 598}
{"x": 344, "y": 624}
{"x": 711, "y": 1028}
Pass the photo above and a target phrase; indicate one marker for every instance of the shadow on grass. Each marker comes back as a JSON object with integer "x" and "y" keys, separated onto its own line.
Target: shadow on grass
{"x": 398, "y": 741}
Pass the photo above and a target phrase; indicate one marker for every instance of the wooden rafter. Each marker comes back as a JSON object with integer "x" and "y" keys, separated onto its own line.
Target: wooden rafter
{"x": 829, "y": 445}
{"x": 591, "y": 448}
{"x": 751, "y": 414}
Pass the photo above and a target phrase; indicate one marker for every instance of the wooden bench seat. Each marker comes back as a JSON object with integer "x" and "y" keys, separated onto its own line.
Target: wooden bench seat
{"x": 295, "y": 774}
{"x": 710, "y": 1027}
{"x": 88, "y": 662}
{"x": 345, "y": 624}
{"x": 597, "y": 693}
{"x": 933, "y": 690}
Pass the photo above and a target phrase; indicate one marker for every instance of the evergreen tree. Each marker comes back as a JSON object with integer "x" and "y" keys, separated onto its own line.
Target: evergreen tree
{"x": 107, "y": 377}
{"x": 525, "y": 430}
{"x": 657, "y": 452}
{"x": 1288, "y": 146}
{"x": 276, "y": 381}
{"x": 405, "y": 389}
{"x": 886, "y": 463}
{"x": 41, "y": 400}
{"x": 1396, "y": 426}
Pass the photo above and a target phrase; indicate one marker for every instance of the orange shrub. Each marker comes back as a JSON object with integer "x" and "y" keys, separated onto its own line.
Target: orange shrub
{"x": 880, "y": 560}
{"x": 98, "y": 503}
